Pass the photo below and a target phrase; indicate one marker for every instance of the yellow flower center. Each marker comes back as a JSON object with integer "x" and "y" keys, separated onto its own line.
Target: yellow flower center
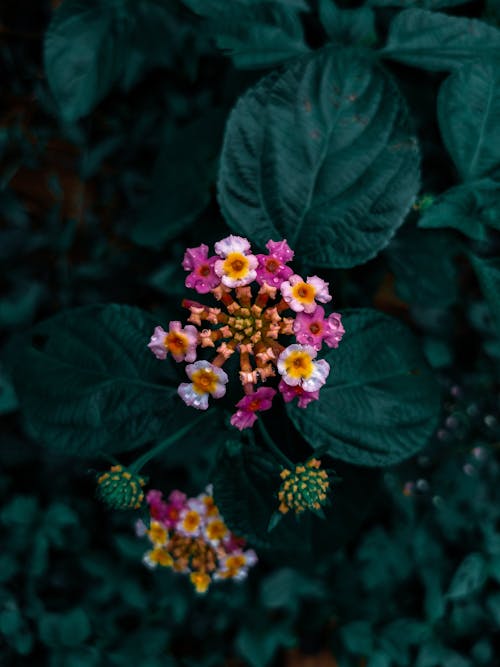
{"x": 299, "y": 365}
{"x": 204, "y": 381}
{"x": 176, "y": 342}
{"x": 235, "y": 563}
{"x": 157, "y": 534}
{"x": 236, "y": 265}
{"x": 303, "y": 292}
{"x": 161, "y": 557}
{"x": 200, "y": 581}
{"x": 216, "y": 530}
{"x": 191, "y": 521}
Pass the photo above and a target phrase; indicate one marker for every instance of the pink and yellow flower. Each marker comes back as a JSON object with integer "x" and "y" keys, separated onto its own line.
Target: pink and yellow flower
{"x": 297, "y": 366}
{"x": 180, "y": 342}
{"x": 237, "y": 267}
{"x": 206, "y": 379}
{"x": 290, "y": 392}
{"x": 302, "y": 295}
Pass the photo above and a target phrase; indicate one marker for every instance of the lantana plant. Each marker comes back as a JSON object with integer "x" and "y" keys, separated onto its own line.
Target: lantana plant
{"x": 265, "y": 313}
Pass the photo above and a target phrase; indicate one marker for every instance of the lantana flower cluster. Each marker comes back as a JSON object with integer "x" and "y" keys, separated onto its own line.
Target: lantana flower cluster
{"x": 260, "y": 302}
{"x": 189, "y": 535}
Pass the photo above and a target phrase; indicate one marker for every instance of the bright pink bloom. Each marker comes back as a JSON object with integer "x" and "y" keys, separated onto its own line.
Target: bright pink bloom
{"x": 202, "y": 277}
{"x": 289, "y": 393}
{"x": 272, "y": 268}
{"x": 166, "y": 513}
{"x": 313, "y": 329}
{"x": 258, "y": 401}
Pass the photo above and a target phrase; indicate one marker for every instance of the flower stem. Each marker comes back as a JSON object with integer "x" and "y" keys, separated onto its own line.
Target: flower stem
{"x": 272, "y": 445}
{"x": 137, "y": 465}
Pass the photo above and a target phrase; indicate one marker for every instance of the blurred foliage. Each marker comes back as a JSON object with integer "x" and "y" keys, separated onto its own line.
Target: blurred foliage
{"x": 125, "y": 129}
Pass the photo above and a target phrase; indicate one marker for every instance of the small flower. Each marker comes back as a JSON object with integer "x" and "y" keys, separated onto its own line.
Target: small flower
{"x": 181, "y": 343}
{"x": 202, "y": 277}
{"x": 257, "y": 401}
{"x": 201, "y": 581}
{"x": 313, "y": 329}
{"x": 272, "y": 268}
{"x": 237, "y": 268}
{"x": 297, "y": 367}
{"x": 302, "y": 296}
{"x": 303, "y": 489}
{"x": 289, "y": 393}
{"x": 120, "y": 488}
{"x": 206, "y": 379}
{"x": 197, "y": 543}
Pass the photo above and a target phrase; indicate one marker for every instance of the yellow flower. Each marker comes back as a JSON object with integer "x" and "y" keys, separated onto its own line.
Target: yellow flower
{"x": 200, "y": 580}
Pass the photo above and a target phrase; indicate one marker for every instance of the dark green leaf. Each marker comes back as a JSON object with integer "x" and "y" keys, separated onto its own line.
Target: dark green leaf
{"x": 258, "y": 641}
{"x": 347, "y": 26}
{"x": 84, "y": 49}
{"x": 424, "y": 267}
{"x": 469, "y": 118}
{"x": 182, "y": 178}
{"x": 254, "y": 34}
{"x": 380, "y": 403}
{"x": 321, "y": 154}
{"x": 358, "y": 637}
{"x": 469, "y": 577}
{"x": 88, "y": 383}
{"x": 437, "y": 42}
{"x": 407, "y": 4}
{"x": 488, "y": 273}
{"x": 471, "y": 208}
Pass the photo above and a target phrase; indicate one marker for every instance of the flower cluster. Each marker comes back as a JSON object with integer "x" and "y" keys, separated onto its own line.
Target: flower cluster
{"x": 250, "y": 323}
{"x": 120, "y": 489}
{"x": 190, "y": 536}
{"x": 303, "y": 489}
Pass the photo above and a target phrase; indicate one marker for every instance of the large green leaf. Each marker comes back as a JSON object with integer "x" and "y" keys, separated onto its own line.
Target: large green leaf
{"x": 84, "y": 48}
{"x": 488, "y": 274}
{"x": 436, "y": 41}
{"x": 472, "y": 208}
{"x": 407, "y": 4}
{"x": 254, "y": 34}
{"x": 87, "y": 382}
{"x": 469, "y": 118}
{"x": 381, "y": 402}
{"x": 347, "y": 26}
{"x": 321, "y": 154}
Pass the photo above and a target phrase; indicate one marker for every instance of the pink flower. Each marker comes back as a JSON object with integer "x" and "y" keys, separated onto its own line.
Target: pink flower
{"x": 166, "y": 513}
{"x": 257, "y": 401}
{"x": 298, "y": 367}
{"x": 313, "y": 329}
{"x": 289, "y": 393}
{"x": 202, "y": 277}
{"x": 302, "y": 295}
{"x": 272, "y": 268}
{"x": 335, "y": 330}
{"x": 181, "y": 343}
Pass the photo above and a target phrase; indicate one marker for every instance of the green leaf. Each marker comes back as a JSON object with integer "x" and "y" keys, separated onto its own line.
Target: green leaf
{"x": 469, "y": 577}
{"x": 381, "y": 402}
{"x": 407, "y": 4}
{"x": 437, "y": 42}
{"x": 286, "y": 587}
{"x": 321, "y": 154}
{"x": 182, "y": 178}
{"x": 258, "y": 641}
{"x": 472, "y": 208}
{"x": 488, "y": 274}
{"x": 469, "y": 118}
{"x": 424, "y": 267}
{"x": 358, "y": 637}
{"x": 88, "y": 383}
{"x": 254, "y": 34}
{"x": 347, "y": 26}
{"x": 84, "y": 48}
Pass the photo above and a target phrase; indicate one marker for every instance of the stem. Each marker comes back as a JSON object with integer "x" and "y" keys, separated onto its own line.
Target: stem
{"x": 137, "y": 465}
{"x": 272, "y": 445}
